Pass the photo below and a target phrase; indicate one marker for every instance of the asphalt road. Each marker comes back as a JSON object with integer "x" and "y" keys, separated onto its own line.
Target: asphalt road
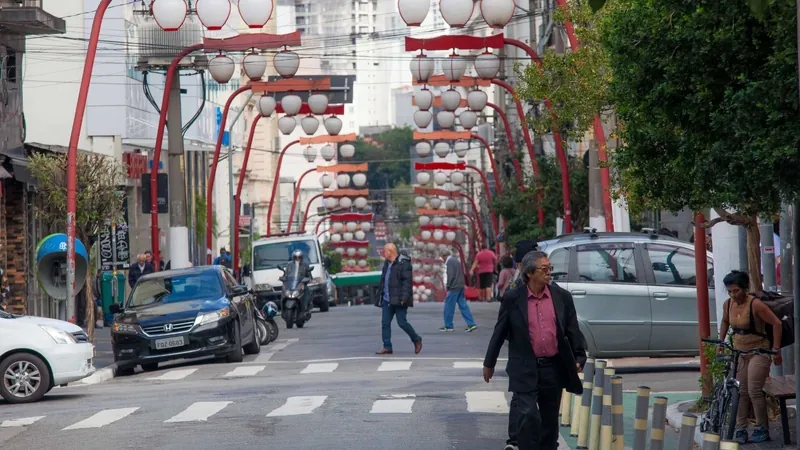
{"x": 321, "y": 387}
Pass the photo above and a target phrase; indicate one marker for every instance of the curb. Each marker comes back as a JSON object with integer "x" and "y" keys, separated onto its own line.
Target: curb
{"x": 656, "y": 369}
{"x": 100, "y": 376}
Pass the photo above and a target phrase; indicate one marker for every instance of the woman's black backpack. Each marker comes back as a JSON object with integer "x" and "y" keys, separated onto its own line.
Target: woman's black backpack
{"x": 783, "y": 307}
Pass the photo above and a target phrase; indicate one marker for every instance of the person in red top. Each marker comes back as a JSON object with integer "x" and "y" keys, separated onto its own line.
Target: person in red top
{"x": 485, "y": 263}
{"x": 546, "y": 350}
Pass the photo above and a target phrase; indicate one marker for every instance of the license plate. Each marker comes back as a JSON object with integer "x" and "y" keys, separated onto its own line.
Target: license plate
{"x": 162, "y": 344}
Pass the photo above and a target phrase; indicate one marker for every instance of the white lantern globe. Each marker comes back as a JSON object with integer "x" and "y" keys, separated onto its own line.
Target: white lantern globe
{"x": 337, "y": 227}
{"x": 416, "y": 297}
{"x": 423, "y": 118}
{"x": 419, "y": 245}
{"x": 348, "y": 236}
{"x": 423, "y": 298}
{"x": 291, "y": 104}
{"x": 424, "y": 99}
{"x": 451, "y": 99}
{"x": 339, "y": 250}
{"x": 468, "y": 119}
{"x": 497, "y": 13}
{"x": 311, "y": 154}
{"x": 254, "y": 64}
{"x": 287, "y": 125}
{"x": 440, "y": 178}
{"x": 450, "y": 236}
{"x": 450, "y": 204}
{"x": 343, "y": 180}
{"x": 425, "y": 268}
{"x": 333, "y": 125}
{"x": 424, "y": 220}
{"x": 266, "y": 106}
{"x": 221, "y": 68}
{"x": 286, "y": 63}
{"x": 326, "y": 180}
{"x": 359, "y": 179}
{"x": 437, "y": 221}
{"x": 443, "y": 247}
{"x": 435, "y": 203}
{"x": 413, "y": 12}
{"x": 456, "y": 12}
{"x": 360, "y": 236}
{"x": 256, "y": 13}
{"x": 430, "y": 246}
{"x": 417, "y": 278}
{"x": 422, "y": 68}
{"x": 362, "y": 262}
{"x": 446, "y": 119}
{"x": 457, "y": 178}
{"x": 461, "y": 148}
{"x": 477, "y": 100}
{"x": 170, "y": 14}
{"x": 487, "y": 65}
{"x": 360, "y": 202}
{"x": 351, "y": 226}
{"x": 327, "y": 152}
{"x": 454, "y": 67}
{"x": 420, "y": 201}
{"x": 345, "y": 202}
{"x": 453, "y": 222}
{"x": 423, "y": 178}
{"x": 426, "y": 235}
{"x": 366, "y": 226}
{"x": 310, "y": 125}
{"x": 331, "y": 202}
{"x": 213, "y": 14}
{"x": 428, "y": 292}
{"x": 442, "y": 149}
{"x": 423, "y": 148}
{"x": 318, "y": 103}
{"x": 336, "y": 238}
{"x": 347, "y": 151}
{"x": 351, "y": 251}
{"x": 438, "y": 235}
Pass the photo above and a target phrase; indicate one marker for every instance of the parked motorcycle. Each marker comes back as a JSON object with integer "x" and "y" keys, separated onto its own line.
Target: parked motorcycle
{"x": 270, "y": 311}
{"x": 294, "y": 307}
{"x": 262, "y": 332}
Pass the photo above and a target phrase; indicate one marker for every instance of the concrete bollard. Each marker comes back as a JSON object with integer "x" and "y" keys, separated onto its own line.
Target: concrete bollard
{"x": 658, "y": 425}
{"x": 729, "y": 445}
{"x": 710, "y": 441}
{"x": 597, "y": 405}
{"x": 566, "y": 408}
{"x": 586, "y": 403}
{"x": 617, "y": 427}
{"x": 688, "y": 424}
{"x": 640, "y": 419}
{"x": 576, "y": 411}
{"x": 606, "y": 418}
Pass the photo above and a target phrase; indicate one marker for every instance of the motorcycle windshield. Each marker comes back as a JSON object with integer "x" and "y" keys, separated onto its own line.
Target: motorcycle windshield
{"x": 292, "y": 277}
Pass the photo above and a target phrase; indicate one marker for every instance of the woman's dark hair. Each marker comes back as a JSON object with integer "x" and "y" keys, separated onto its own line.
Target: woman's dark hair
{"x": 738, "y": 278}
{"x": 507, "y": 262}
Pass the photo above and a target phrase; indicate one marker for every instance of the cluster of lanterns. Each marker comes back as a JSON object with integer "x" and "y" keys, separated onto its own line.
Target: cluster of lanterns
{"x": 496, "y": 13}
{"x": 254, "y": 65}
{"x": 451, "y": 101}
{"x": 213, "y": 14}
{"x": 346, "y": 151}
{"x": 291, "y": 105}
{"x": 439, "y": 221}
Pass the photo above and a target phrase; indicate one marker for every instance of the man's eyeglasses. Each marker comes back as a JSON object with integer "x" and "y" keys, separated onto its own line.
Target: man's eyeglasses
{"x": 546, "y": 269}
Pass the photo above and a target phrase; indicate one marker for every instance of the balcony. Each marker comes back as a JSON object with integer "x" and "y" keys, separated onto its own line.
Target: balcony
{"x": 26, "y": 17}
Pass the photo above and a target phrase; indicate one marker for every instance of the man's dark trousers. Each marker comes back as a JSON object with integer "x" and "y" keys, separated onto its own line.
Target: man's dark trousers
{"x": 388, "y": 313}
{"x": 535, "y": 414}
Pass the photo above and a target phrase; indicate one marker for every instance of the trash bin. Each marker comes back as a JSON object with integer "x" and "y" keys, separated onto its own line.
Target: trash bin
{"x": 107, "y": 293}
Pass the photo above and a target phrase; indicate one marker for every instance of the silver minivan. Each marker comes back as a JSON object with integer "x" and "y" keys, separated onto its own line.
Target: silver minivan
{"x": 635, "y": 293}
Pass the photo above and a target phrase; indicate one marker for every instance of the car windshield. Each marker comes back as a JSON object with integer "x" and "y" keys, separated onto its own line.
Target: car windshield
{"x": 270, "y": 255}
{"x": 176, "y": 288}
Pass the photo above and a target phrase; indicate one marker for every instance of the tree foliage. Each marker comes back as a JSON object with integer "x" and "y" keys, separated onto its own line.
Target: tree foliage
{"x": 387, "y": 154}
{"x": 99, "y": 201}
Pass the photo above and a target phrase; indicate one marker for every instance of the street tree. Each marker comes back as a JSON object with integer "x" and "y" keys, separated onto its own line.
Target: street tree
{"x": 387, "y": 154}
{"x": 707, "y": 96}
{"x": 99, "y": 201}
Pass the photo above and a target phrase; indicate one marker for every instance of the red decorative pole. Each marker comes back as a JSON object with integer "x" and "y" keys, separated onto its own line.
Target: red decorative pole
{"x": 491, "y": 161}
{"x": 510, "y": 139}
{"x": 308, "y": 207}
{"x": 275, "y": 185}
{"x": 296, "y": 195}
{"x": 703, "y": 314}
{"x": 239, "y": 187}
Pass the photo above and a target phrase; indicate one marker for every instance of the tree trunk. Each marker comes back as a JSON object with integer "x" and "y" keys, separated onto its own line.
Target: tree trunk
{"x": 754, "y": 255}
{"x": 91, "y": 306}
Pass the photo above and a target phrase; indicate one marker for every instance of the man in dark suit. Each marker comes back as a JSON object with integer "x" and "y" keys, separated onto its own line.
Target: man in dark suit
{"x": 396, "y": 296}
{"x": 138, "y": 270}
{"x": 546, "y": 350}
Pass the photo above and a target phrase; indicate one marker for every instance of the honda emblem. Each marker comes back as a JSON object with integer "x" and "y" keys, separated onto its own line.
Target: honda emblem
{"x": 168, "y": 328}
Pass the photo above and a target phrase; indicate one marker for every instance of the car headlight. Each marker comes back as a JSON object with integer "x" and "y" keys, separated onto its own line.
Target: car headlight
{"x": 60, "y": 336}
{"x": 263, "y": 287}
{"x": 211, "y": 317}
{"x": 316, "y": 281}
{"x": 125, "y": 328}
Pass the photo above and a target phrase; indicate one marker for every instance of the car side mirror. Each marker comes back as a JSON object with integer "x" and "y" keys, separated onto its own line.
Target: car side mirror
{"x": 115, "y": 308}
{"x": 239, "y": 290}
{"x": 326, "y": 261}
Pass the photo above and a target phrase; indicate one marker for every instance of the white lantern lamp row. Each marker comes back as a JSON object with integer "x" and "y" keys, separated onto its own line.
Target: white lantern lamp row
{"x": 487, "y": 66}
{"x": 350, "y": 227}
{"x": 345, "y": 202}
{"x": 496, "y": 13}
{"x": 170, "y": 15}
{"x": 254, "y": 65}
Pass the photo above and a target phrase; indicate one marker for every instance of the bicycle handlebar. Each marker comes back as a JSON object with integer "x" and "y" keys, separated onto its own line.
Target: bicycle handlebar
{"x": 762, "y": 351}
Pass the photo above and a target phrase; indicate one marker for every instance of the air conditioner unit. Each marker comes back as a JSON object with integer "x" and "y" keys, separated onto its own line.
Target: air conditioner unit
{"x": 159, "y": 47}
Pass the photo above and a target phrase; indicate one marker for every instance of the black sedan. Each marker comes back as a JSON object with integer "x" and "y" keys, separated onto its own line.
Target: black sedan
{"x": 184, "y": 313}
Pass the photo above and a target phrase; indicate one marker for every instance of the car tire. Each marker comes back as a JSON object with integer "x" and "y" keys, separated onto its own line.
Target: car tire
{"x": 24, "y": 363}
{"x": 235, "y": 355}
{"x": 124, "y": 371}
{"x": 254, "y": 347}
{"x": 324, "y": 305}
{"x": 150, "y": 367}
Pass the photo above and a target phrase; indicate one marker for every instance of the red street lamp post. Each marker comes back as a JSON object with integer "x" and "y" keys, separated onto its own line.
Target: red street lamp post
{"x": 275, "y": 184}
{"x": 295, "y": 197}
{"x": 491, "y": 161}
{"x": 510, "y": 139}
{"x": 308, "y": 208}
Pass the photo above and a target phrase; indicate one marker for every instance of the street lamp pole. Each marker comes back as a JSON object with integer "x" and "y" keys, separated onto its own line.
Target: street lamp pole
{"x": 295, "y": 197}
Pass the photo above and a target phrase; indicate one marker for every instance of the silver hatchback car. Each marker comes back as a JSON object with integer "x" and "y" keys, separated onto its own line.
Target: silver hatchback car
{"x": 634, "y": 293}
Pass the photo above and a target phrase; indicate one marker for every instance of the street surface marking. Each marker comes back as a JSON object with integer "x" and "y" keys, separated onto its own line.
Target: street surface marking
{"x": 264, "y": 357}
{"x": 198, "y": 412}
{"x": 173, "y": 375}
{"x": 467, "y": 365}
{"x": 245, "y": 371}
{"x": 24, "y": 422}
{"x": 398, "y": 404}
{"x": 320, "y": 368}
{"x": 103, "y": 418}
{"x": 487, "y": 402}
{"x": 392, "y": 366}
{"x": 296, "y": 406}
{"x": 278, "y": 346}
{"x": 382, "y": 358}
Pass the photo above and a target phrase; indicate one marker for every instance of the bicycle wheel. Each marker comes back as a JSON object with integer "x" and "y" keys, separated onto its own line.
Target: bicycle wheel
{"x": 729, "y": 412}
{"x": 710, "y": 423}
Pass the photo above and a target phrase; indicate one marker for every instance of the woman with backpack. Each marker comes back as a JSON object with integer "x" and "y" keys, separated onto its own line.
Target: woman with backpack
{"x": 747, "y": 317}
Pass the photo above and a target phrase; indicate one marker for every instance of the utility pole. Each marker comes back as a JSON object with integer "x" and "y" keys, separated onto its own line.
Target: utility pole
{"x": 178, "y": 231}
{"x": 796, "y": 258}
{"x": 768, "y": 268}
{"x": 787, "y": 216}
{"x": 596, "y": 218}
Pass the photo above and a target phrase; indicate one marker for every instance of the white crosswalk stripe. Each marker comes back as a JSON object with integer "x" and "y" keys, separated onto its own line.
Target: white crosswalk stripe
{"x": 320, "y": 368}
{"x": 395, "y": 404}
{"x": 296, "y": 406}
{"x": 467, "y": 365}
{"x": 198, "y": 412}
{"x": 394, "y": 366}
{"x": 103, "y": 418}
{"x": 245, "y": 371}
{"x": 487, "y": 402}
{"x": 23, "y": 422}
{"x": 174, "y": 375}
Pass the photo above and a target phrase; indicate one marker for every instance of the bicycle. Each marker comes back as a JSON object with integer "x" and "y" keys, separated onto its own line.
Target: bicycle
{"x": 724, "y": 403}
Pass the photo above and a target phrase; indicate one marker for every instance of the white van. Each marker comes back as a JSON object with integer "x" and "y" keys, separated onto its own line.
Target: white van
{"x": 270, "y": 252}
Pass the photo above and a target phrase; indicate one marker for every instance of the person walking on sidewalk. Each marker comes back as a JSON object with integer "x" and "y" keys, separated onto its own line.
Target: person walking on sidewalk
{"x": 747, "y": 316}
{"x": 546, "y": 350}
{"x": 485, "y": 263}
{"x": 455, "y": 295}
{"x": 395, "y": 297}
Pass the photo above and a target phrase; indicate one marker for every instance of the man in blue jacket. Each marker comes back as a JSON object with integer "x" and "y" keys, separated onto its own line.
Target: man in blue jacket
{"x": 395, "y": 297}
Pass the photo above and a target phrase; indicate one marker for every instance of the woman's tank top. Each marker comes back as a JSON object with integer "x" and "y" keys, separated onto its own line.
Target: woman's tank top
{"x": 739, "y": 319}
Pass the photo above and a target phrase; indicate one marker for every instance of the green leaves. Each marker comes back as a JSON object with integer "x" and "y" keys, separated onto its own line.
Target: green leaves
{"x": 759, "y": 8}
{"x": 596, "y": 5}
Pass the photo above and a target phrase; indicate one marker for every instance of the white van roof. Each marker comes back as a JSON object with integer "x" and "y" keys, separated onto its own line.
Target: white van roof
{"x": 291, "y": 238}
